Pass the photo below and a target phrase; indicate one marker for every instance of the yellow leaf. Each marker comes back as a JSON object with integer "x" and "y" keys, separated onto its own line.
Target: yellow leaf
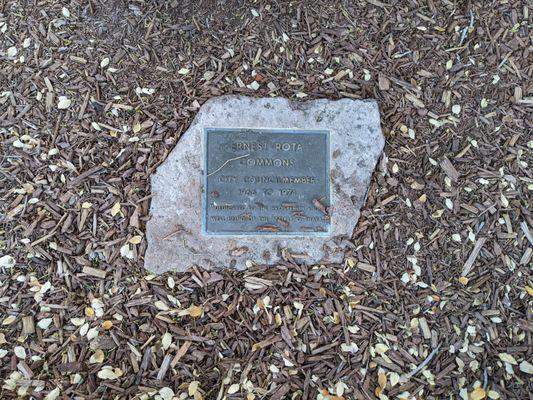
{"x": 478, "y": 394}
{"x": 9, "y": 320}
{"x": 381, "y": 348}
{"x": 198, "y": 396}
{"x": 89, "y": 312}
{"x": 97, "y": 357}
{"x": 382, "y": 380}
{"x": 193, "y": 388}
{"x": 107, "y": 324}
{"x": 195, "y": 311}
{"x": 115, "y": 209}
{"x": 136, "y": 239}
{"x": 423, "y": 198}
{"x": 463, "y": 280}
{"x": 529, "y": 290}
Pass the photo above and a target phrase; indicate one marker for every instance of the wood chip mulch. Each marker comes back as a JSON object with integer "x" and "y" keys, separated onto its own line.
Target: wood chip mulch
{"x": 435, "y": 297}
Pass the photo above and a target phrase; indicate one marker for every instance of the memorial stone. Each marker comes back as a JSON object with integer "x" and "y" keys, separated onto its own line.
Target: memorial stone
{"x": 252, "y": 178}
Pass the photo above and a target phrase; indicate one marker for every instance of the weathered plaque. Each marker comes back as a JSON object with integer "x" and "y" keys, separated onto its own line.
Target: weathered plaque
{"x": 266, "y": 182}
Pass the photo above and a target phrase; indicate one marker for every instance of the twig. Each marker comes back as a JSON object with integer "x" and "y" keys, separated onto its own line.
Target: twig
{"x": 226, "y": 162}
{"x": 473, "y": 255}
{"x": 408, "y": 376}
{"x": 174, "y": 232}
{"x": 525, "y": 229}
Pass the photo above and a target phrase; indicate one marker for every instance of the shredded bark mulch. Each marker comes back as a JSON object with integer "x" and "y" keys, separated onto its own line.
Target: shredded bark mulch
{"x": 434, "y": 298}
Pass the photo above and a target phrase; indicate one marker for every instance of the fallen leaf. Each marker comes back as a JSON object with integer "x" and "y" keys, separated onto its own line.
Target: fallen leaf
{"x": 97, "y": 357}
{"x": 166, "y": 393}
{"x": 107, "y": 324}
{"x": 382, "y": 380}
{"x": 44, "y": 323}
{"x": 463, "y": 280}
{"x": 7, "y": 262}
{"x": 160, "y": 305}
{"x": 115, "y": 209}
{"x": 77, "y": 321}
{"x": 195, "y": 311}
{"x": 53, "y": 394}
{"x": 193, "y": 387}
{"x": 526, "y": 367}
{"x": 109, "y": 373}
{"x": 505, "y": 357}
{"x": 478, "y": 394}
{"x": 20, "y": 352}
{"x": 136, "y": 239}
{"x": 63, "y": 103}
{"x": 166, "y": 341}
{"x": 234, "y": 388}
{"x": 394, "y": 378}
{"x": 9, "y": 320}
{"x": 12, "y": 52}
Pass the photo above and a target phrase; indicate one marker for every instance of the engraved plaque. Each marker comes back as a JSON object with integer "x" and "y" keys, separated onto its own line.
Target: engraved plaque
{"x": 266, "y": 182}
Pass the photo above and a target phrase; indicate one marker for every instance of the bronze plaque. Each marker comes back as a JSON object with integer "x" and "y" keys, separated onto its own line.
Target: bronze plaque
{"x": 266, "y": 182}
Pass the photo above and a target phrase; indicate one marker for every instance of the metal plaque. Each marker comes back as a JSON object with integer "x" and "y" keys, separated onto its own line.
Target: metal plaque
{"x": 266, "y": 182}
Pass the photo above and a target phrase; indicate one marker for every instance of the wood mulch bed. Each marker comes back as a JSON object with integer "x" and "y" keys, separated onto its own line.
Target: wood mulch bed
{"x": 435, "y": 297}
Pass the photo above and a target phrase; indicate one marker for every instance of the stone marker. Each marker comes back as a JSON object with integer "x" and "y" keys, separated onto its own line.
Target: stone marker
{"x": 252, "y": 178}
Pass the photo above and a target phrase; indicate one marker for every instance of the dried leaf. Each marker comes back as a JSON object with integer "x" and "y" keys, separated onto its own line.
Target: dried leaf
{"x": 44, "y": 323}
{"x": 9, "y": 320}
{"x": 193, "y": 387}
{"x": 97, "y": 357}
{"x": 115, "y": 209}
{"x": 166, "y": 393}
{"x": 166, "y": 341}
{"x": 508, "y": 358}
{"x": 382, "y": 380}
{"x": 234, "y": 388}
{"x": 195, "y": 311}
{"x": 526, "y": 367}
{"x": 63, "y": 103}
{"x": 478, "y": 394}
{"x": 136, "y": 239}
{"x": 463, "y": 280}
{"x": 109, "y": 373}
{"x": 7, "y": 262}
{"x": 53, "y": 394}
{"x": 107, "y": 324}
{"x": 20, "y": 352}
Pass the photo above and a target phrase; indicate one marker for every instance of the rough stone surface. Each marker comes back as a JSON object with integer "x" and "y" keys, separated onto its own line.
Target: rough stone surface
{"x": 174, "y": 234}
